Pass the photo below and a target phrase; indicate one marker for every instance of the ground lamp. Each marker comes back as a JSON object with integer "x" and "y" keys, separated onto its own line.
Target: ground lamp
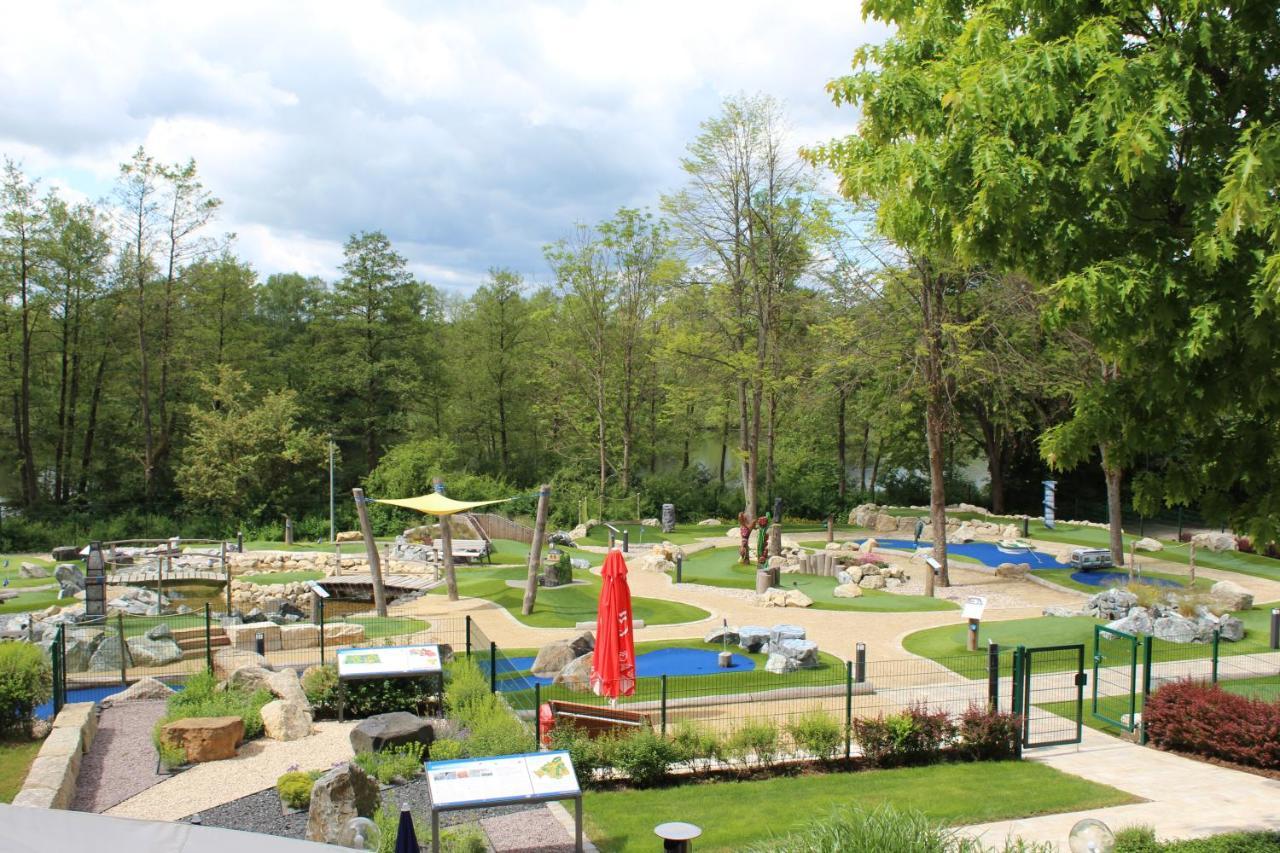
{"x": 360, "y": 833}
{"x": 677, "y": 836}
{"x": 1091, "y": 836}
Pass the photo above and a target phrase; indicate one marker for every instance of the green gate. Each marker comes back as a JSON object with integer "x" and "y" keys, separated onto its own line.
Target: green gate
{"x": 1115, "y": 677}
{"x": 1052, "y": 700}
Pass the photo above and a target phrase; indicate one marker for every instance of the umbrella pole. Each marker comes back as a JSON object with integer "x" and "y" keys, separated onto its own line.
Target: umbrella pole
{"x": 446, "y": 547}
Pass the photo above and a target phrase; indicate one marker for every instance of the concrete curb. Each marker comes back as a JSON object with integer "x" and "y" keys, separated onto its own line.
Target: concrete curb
{"x": 51, "y": 781}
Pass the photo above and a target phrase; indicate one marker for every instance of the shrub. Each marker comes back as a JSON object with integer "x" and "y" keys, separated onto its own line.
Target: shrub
{"x": 396, "y": 764}
{"x": 201, "y": 698}
{"x": 756, "y": 739}
{"x": 496, "y": 731}
{"x": 564, "y": 569}
{"x": 446, "y": 749}
{"x": 697, "y": 744}
{"x": 1142, "y": 839}
{"x": 1194, "y": 717}
{"x": 26, "y": 681}
{"x": 320, "y": 683}
{"x": 170, "y": 756}
{"x": 986, "y": 735}
{"x": 818, "y": 734}
{"x": 382, "y": 695}
{"x": 584, "y": 751}
{"x": 644, "y": 757}
{"x": 465, "y": 686}
{"x": 294, "y": 788}
{"x": 915, "y": 736}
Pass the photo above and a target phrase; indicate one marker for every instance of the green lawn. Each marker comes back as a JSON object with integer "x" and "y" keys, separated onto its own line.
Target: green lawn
{"x": 282, "y": 577}
{"x": 684, "y": 534}
{"x": 720, "y": 567}
{"x": 15, "y": 561}
{"x": 562, "y": 607}
{"x": 388, "y": 626}
{"x": 33, "y": 600}
{"x": 829, "y": 672}
{"x": 15, "y": 759}
{"x": 733, "y": 815}
{"x": 946, "y": 644}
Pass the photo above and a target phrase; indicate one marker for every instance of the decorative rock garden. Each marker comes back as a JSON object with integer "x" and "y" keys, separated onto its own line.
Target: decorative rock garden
{"x": 1175, "y": 618}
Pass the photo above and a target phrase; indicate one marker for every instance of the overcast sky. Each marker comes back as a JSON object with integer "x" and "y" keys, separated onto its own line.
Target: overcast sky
{"x": 471, "y": 132}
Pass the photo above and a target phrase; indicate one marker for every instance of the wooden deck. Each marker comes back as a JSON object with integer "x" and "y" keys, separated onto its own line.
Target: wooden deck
{"x": 149, "y": 576}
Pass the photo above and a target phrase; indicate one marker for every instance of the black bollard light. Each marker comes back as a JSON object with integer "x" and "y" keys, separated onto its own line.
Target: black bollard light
{"x": 1275, "y": 629}
{"x": 860, "y": 663}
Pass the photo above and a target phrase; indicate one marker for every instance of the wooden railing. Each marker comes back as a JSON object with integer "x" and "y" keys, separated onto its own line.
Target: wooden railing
{"x": 497, "y": 527}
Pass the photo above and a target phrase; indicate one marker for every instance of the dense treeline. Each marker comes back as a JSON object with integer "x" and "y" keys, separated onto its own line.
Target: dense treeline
{"x": 751, "y": 339}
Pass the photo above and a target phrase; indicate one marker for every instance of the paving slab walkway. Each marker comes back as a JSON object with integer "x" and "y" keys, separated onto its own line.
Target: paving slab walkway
{"x": 1185, "y": 798}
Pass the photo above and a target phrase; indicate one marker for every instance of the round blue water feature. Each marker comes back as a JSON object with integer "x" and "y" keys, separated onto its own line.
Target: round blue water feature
{"x": 1117, "y": 579}
{"x": 984, "y": 552}
{"x": 648, "y": 665}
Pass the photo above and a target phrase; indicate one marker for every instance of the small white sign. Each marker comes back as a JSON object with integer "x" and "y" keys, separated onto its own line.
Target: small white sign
{"x": 973, "y": 606}
{"x": 475, "y": 781}
{"x": 933, "y": 564}
{"x": 388, "y": 661}
{"x": 317, "y": 589}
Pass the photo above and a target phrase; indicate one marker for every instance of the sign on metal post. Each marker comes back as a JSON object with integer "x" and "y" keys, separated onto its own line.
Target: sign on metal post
{"x": 357, "y": 664}
{"x": 472, "y": 783}
{"x": 1050, "y": 493}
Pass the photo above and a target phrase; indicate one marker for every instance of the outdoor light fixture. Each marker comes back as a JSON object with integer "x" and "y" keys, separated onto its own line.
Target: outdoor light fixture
{"x": 1091, "y": 836}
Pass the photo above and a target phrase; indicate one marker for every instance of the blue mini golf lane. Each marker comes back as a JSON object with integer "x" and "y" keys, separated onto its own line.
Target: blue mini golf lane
{"x": 984, "y": 552}
{"x": 648, "y": 665}
{"x": 85, "y": 694}
{"x": 1117, "y": 578}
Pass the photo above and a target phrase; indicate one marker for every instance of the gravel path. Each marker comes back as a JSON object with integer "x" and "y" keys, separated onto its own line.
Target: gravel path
{"x": 122, "y": 760}
{"x": 510, "y": 828}
{"x": 256, "y": 768}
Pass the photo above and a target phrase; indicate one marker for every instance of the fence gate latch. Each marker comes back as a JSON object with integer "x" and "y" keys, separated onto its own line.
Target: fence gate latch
{"x": 1082, "y": 679}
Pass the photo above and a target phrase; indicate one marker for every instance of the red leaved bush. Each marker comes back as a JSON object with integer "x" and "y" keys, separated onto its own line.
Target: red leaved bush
{"x": 1191, "y": 716}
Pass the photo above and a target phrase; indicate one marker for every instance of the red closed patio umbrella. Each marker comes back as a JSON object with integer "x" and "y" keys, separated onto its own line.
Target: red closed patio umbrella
{"x": 613, "y": 665}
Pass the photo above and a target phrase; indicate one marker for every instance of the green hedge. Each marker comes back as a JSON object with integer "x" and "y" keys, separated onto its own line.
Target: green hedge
{"x": 26, "y": 681}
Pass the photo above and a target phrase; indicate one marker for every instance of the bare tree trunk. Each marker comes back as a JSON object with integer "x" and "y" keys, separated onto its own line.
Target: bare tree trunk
{"x": 769, "y": 466}
{"x": 95, "y": 397}
{"x": 841, "y": 448}
{"x": 446, "y": 547}
{"x": 862, "y": 462}
{"x": 724, "y": 448}
{"x": 931, "y": 291}
{"x": 535, "y": 550}
{"x": 994, "y": 448}
{"x": 875, "y": 468}
{"x": 1113, "y": 474}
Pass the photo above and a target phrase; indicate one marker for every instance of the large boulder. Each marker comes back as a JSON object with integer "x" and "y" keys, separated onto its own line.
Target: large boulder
{"x": 1231, "y": 596}
{"x": 709, "y": 522}
{"x": 885, "y": 523}
{"x": 781, "y": 632}
{"x": 721, "y": 634}
{"x": 1013, "y": 570}
{"x": 1112, "y": 604}
{"x": 847, "y": 590}
{"x": 1136, "y": 621}
{"x": 142, "y": 690}
{"x": 148, "y": 652}
{"x": 868, "y": 545}
{"x": 558, "y": 654}
{"x": 576, "y": 676}
{"x": 344, "y": 793}
{"x": 803, "y": 652}
{"x": 283, "y": 719}
{"x": 872, "y": 582}
{"x": 753, "y": 638}
{"x": 64, "y": 553}
{"x": 1146, "y": 543}
{"x": 286, "y": 685}
{"x": 250, "y": 678}
{"x": 780, "y": 664}
{"x": 227, "y": 661}
{"x": 110, "y": 655}
{"x": 348, "y": 536}
{"x": 205, "y": 738}
{"x": 31, "y": 570}
{"x": 394, "y": 729}
{"x": 963, "y": 533}
{"x": 1175, "y": 628}
{"x": 1230, "y": 629}
{"x": 70, "y": 580}
{"x": 1214, "y": 541}
{"x": 650, "y": 563}
{"x": 796, "y": 598}
{"x": 160, "y": 632}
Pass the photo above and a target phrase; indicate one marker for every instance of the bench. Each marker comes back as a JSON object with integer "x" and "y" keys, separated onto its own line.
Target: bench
{"x": 595, "y": 720}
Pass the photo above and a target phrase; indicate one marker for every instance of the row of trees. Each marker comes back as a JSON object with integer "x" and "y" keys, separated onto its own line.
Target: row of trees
{"x": 800, "y": 346}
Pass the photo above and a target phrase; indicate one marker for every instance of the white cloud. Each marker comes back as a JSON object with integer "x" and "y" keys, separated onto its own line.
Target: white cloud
{"x": 471, "y": 133}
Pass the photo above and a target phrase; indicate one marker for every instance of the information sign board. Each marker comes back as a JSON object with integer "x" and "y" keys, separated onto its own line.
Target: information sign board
{"x": 973, "y": 607}
{"x": 476, "y": 781}
{"x": 388, "y": 661}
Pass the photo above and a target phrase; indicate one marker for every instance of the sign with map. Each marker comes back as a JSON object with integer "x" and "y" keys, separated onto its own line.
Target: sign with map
{"x": 475, "y": 781}
{"x": 388, "y": 661}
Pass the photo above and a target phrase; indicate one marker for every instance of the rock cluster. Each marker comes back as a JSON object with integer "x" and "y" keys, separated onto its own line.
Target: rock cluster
{"x": 1214, "y": 541}
{"x": 1165, "y": 620}
{"x": 270, "y": 598}
{"x": 775, "y": 597}
{"x": 344, "y": 793}
{"x": 786, "y": 646}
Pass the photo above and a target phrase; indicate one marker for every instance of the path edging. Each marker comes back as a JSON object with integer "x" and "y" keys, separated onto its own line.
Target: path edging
{"x": 51, "y": 781}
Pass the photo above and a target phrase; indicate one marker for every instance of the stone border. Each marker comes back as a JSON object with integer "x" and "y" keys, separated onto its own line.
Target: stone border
{"x": 51, "y": 781}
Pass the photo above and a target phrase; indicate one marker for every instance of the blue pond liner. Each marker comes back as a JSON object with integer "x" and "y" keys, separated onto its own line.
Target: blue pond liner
{"x": 984, "y": 552}
{"x": 1118, "y": 578}
{"x": 85, "y": 694}
{"x": 648, "y": 665}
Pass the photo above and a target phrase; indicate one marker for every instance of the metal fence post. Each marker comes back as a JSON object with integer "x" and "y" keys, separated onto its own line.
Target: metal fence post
{"x": 993, "y": 675}
{"x": 124, "y": 650}
{"x": 537, "y": 717}
{"x": 468, "y": 635}
{"x": 208, "y": 639}
{"x": 664, "y": 704}
{"x": 1017, "y": 697}
{"x": 493, "y": 667}
{"x": 1217, "y": 637}
{"x": 320, "y": 602}
{"x": 848, "y": 709}
{"x": 1147, "y": 644}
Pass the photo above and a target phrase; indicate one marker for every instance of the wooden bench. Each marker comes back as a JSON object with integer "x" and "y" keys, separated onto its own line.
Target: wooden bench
{"x": 597, "y": 720}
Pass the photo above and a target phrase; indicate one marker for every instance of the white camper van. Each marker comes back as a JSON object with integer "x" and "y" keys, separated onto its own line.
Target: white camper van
{"x": 1090, "y": 559}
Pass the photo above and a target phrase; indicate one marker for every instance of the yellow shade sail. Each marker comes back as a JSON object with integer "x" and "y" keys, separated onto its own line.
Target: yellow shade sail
{"x": 435, "y": 504}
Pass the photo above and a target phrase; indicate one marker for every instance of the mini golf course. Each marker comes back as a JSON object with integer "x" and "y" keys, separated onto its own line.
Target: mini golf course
{"x": 651, "y": 664}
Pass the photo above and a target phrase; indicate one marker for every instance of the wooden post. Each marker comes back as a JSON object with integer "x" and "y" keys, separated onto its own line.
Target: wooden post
{"x": 446, "y": 547}
{"x": 775, "y": 540}
{"x": 1132, "y": 550}
{"x": 535, "y": 549}
{"x": 831, "y": 528}
{"x": 371, "y": 548}
{"x": 226, "y": 571}
{"x": 1191, "y": 561}
{"x": 972, "y": 645}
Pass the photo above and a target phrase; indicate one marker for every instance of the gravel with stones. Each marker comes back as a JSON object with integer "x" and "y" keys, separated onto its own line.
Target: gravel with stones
{"x": 122, "y": 760}
{"x": 261, "y": 813}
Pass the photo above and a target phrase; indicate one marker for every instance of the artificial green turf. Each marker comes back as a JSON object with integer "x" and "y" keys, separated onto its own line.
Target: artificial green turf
{"x": 565, "y": 606}
{"x": 15, "y": 760}
{"x": 720, "y": 567}
{"x": 37, "y": 599}
{"x": 733, "y": 815}
{"x": 1062, "y": 577}
{"x": 830, "y": 672}
{"x": 388, "y": 626}
{"x": 15, "y": 561}
{"x": 946, "y": 644}
{"x": 684, "y": 534}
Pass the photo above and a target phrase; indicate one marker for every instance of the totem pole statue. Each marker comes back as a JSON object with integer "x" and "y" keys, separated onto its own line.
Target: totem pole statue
{"x": 762, "y": 551}
{"x": 744, "y": 530}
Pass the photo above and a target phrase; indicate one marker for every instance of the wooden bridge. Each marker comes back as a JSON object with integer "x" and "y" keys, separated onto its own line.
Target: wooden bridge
{"x": 150, "y": 576}
{"x": 349, "y": 584}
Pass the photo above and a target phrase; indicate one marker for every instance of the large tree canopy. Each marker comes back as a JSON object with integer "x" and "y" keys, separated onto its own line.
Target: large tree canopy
{"x": 1125, "y": 157}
